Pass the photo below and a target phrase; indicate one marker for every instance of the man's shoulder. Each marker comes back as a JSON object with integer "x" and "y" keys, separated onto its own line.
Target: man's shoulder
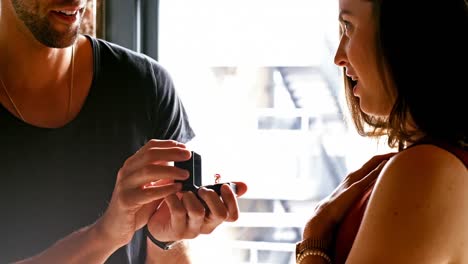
{"x": 110, "y": 48}
{"x": 118, "y": 55}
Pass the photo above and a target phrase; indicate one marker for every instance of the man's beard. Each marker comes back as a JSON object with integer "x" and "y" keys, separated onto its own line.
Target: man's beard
{"x": 42, "y": 29}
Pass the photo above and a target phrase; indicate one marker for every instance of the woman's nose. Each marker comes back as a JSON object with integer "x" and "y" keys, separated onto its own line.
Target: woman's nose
{"x": 340, "y": 55}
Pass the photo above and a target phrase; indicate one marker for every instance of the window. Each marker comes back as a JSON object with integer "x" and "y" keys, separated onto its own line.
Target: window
{"x": 88, "y": 26}
{"x": 258, "y": 80}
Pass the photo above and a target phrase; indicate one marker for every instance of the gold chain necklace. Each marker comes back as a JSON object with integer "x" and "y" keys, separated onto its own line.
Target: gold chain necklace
{"x": 72, "y": 62}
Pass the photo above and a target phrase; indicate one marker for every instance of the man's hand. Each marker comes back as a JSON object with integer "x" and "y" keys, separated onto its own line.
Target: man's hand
{"x": 183, "y": 216}
{"x": 135, "y": 196}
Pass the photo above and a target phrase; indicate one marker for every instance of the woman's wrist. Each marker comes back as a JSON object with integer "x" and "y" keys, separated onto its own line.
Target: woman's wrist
{"x": 317, "y": 240}
{"x": 318, "y": 229}
{"x": 312, "y": 247}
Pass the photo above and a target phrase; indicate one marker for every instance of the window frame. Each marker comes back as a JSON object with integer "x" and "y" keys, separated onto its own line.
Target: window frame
{"x": 126, "y": 23}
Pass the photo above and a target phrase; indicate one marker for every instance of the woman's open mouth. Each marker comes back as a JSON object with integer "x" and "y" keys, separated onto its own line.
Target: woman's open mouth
{"x": 354, "y": 86}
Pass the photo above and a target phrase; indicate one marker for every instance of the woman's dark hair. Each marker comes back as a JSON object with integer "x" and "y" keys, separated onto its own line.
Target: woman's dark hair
{"x": 424, "y": 45}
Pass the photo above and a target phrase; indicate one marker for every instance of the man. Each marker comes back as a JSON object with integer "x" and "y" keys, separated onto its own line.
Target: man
{"x": 88, "y": 131}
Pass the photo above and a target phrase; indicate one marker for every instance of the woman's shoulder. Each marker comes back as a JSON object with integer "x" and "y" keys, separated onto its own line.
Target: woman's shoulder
{"x": 424, "y": 169}
{"x": 424, "y": 165}
{"x": 431, "y": 156}
{"x": 419, "y": 201}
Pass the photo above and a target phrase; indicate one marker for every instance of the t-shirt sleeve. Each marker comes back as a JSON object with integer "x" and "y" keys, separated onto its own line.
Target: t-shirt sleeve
{"x": 169, "y": 118}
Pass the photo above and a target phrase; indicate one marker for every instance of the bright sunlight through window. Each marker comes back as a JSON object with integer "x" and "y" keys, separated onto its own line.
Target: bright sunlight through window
{"x": 267, "y": 104}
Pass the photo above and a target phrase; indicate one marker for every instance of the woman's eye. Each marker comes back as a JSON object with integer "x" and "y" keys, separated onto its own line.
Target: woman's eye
{"x": 346, "y": 26}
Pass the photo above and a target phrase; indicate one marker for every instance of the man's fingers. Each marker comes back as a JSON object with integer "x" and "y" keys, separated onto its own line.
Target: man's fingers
{"x": 152, "y": 173}
{"x": 241, "y": 188}
{"x": 155, "y": 155}
{"x": 158, "y": 143}
{"x": 178, "y": 216}
{"x": 230, "y": 200}
{"x": 196, "y": 214}
{"x": 137, "y": 196}
{"x": 144, "y": 214}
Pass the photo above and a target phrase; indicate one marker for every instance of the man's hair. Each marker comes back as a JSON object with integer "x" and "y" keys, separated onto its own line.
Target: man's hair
{"x": 424, "y": 46}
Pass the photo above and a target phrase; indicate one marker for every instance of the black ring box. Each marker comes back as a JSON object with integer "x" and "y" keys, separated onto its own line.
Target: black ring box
{"x": 194, "y": 182}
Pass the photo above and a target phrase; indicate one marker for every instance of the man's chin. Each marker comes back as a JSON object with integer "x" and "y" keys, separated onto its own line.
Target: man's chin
{"x": 58, "y": 40}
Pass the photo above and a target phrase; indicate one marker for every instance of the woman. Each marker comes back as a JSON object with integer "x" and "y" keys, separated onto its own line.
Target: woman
{"x": 410, "y": 206}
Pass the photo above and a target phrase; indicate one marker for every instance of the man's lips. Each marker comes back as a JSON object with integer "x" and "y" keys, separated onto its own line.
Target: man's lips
{"x": 67, "y": 14}
{"x": 69, "y": 10}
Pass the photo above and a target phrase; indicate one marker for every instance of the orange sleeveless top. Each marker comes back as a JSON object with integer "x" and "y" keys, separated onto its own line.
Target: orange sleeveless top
{"x": 349, "y": 226}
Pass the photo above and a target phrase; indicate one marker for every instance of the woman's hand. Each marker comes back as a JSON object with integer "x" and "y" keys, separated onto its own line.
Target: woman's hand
{"x": 183, "y": 216}
{"x": 330, "y": 211}
{"x": 135, "y": 196}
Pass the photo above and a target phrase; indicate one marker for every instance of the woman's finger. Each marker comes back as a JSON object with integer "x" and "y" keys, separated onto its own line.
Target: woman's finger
{"x": 359, "y": 174}
{"x": 345, "y": 200}
{"x": 369, "y": 178}
{"x": 370, "y": 165}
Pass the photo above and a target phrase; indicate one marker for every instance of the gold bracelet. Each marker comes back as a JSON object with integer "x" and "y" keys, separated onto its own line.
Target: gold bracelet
{"x": 311, "y": 242}
{"x": 313, "y": 252}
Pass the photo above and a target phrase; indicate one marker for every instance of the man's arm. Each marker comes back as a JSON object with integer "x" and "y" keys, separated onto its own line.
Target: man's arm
{"x": 131, "y": 205}
{"x": 179, "y": 253}
{"x": 87, "y": 245}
